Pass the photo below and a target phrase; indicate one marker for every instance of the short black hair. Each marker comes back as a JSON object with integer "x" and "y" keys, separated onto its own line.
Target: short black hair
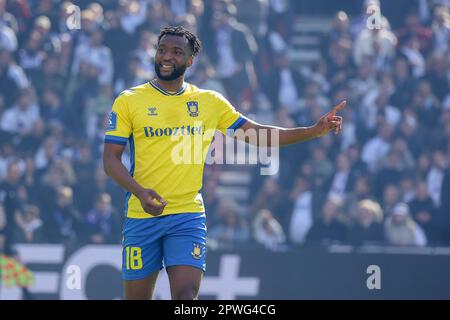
{"x": 194, "y": 41}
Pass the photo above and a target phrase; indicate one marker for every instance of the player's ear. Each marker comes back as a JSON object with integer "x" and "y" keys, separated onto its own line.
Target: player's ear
{"x": 189, "y": 61}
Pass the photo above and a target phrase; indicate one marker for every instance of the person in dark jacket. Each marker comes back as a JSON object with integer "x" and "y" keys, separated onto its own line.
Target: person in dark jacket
{"x": 367, "y": 228}
{"x": 328, "y": 229}
{"x": 232, "y": 53}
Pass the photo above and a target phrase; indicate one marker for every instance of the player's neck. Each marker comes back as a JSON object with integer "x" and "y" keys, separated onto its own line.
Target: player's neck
{"x": 170, "y": 85}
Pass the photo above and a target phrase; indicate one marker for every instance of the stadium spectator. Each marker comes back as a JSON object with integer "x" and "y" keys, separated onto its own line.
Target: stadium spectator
{"x": 401, "y": 230}
{"x": 12, "y": 77}
{"x": 63, "y": 222}
{"x": 441, "y": 28}
{"x": 30, "y": 226}
{"x": 445, "y": 207}
{"x": 435, "y": 176}
{"x": 413, "y": 27}
{"x": 410, "y": 48}
{"x": 367, "y": 228}
{"x": 11, "y": 206}
{"x": 284, "y": 84}
{"x": 329, "y": 228}
{"x": 343, "y": 178}
{"x": 234, "y": 66}
{"x": 232, "y": 230}
{"x": 302, "y": 215}
{"x": 376, "y": 148}
{"x": 21, "y": 117}
{"x": 378, "y": 43}
{"x": 268, "y": 231}
{"x": 270, "y": 197}
{"x": 391, "y": 197}
{"x": 424, "y": 212}
{"x": 102, "y": 222}
{"x": 437, "y": 74}
{"x": 340, "y": 28}
{"x": 96, "y": 55}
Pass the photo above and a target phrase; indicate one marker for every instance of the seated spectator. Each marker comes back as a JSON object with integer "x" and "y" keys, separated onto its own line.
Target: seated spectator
{"x": 378, "y": 43}
{"x": 21, "y": 117}
{"x": 441, "y": 27}
{"x": 232, "y": 230}
{"x": 410, "y": 49}
{"x": 367, "y": 228}
{"x": 301, "y": 219}
{"x": 376, "y": 148}
{"x": 63, "y": 222}
{"x": 401, "y": 230}
{"x": 97, "y": 55}
{"x": 103, "y": 225}
{"x": 437, "y": 74}
{"x": 391, "y": 196}
{"x": 445, "y": 207}
{"x": 328, "y": 229}
{"x": 424, "y": 212}
{"x": 30, "y": 226}
{"x": 267, "y": 230}
{"x": 340, "y": 28}
{"x": 342, "y": 179}
{"x": 412, "y": 26}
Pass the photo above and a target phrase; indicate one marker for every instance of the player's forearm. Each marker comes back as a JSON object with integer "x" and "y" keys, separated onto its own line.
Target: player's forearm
{"x": 271, "y": 136}
{"x": 119, "y": 173}
{"x": 289, "y": 136}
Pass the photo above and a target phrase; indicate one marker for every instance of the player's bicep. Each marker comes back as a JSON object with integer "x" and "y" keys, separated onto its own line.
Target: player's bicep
{"x": 112, "y": 150}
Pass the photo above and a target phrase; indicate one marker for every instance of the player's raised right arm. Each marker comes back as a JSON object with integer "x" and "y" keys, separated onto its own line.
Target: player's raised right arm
{"x": 114, "y": 168}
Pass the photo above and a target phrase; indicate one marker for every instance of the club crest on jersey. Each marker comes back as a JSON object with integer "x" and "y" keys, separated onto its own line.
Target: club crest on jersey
{"x": 192, "y": 108}
{"x": 112, "y": 121}
{"x": 197, "y": 251}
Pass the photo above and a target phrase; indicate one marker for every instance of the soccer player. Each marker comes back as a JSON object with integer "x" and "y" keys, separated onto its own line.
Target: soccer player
{"x": 165, "y": 217}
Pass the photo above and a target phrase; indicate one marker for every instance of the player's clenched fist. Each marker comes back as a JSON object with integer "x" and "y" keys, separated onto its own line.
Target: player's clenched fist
{"x": 151, "y": 202}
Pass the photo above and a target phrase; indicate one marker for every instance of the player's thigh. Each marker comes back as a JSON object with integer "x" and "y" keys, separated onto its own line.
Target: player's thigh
{"x": 184, "y": 249}
{"x": 184, "y": 244}
{"x": 141, "y": 289}
{"x": 184, "y": 282}
{"x": 142, "y": 255}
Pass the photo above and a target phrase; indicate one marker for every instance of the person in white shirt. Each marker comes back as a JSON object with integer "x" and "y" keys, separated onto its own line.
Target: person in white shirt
{"x": 377, "y": 147}
{"x": 96, "y": 54}
{"x": 20, "y": 118}
{"x": 401, "y": 230}
{"x": 301, "y": 220}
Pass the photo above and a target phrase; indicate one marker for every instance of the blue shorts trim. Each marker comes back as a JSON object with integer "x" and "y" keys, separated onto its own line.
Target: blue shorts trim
{"x": 172, "y": 240}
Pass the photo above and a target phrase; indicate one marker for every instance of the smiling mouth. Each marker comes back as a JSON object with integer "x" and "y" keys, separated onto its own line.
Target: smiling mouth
{"x": 167, "y": 67}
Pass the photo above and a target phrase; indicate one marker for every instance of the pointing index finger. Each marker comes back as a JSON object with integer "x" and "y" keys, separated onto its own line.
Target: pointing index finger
{"x": 339, "y": 107}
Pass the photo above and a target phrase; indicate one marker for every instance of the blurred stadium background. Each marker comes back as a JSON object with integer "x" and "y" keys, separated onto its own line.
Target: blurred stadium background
{"x": 378, "y": 194}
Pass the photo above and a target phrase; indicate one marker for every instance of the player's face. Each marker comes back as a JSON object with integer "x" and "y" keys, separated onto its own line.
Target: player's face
{"x": 173, "y": 56}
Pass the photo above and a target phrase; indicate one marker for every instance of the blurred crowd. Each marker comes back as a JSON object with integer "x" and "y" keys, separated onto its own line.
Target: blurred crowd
{"x": 384, "y": 180}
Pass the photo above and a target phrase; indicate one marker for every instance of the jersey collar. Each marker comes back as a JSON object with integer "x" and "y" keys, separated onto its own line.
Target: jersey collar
{"x": 165, "y": 92}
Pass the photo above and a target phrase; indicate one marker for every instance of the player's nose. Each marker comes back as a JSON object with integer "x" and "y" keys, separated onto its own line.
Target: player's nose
{"x": 168, "y": 58}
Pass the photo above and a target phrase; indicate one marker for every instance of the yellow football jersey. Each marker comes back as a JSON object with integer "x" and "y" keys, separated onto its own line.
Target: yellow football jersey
{"x": 167, "y": 132}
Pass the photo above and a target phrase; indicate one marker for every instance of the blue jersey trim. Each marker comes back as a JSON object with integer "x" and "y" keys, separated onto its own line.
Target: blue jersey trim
{"x": 116, "y": 140}
{"x": 132, "y": 167}
{"x": 238, "y": 123}
{"x": 164, "y": 92}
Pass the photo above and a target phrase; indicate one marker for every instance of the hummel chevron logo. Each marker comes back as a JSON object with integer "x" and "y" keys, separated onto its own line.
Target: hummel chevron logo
{"x": 152, "y": 111}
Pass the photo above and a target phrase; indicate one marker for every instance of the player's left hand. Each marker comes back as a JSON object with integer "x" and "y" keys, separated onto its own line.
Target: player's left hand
{"x": 330, "y": 121}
